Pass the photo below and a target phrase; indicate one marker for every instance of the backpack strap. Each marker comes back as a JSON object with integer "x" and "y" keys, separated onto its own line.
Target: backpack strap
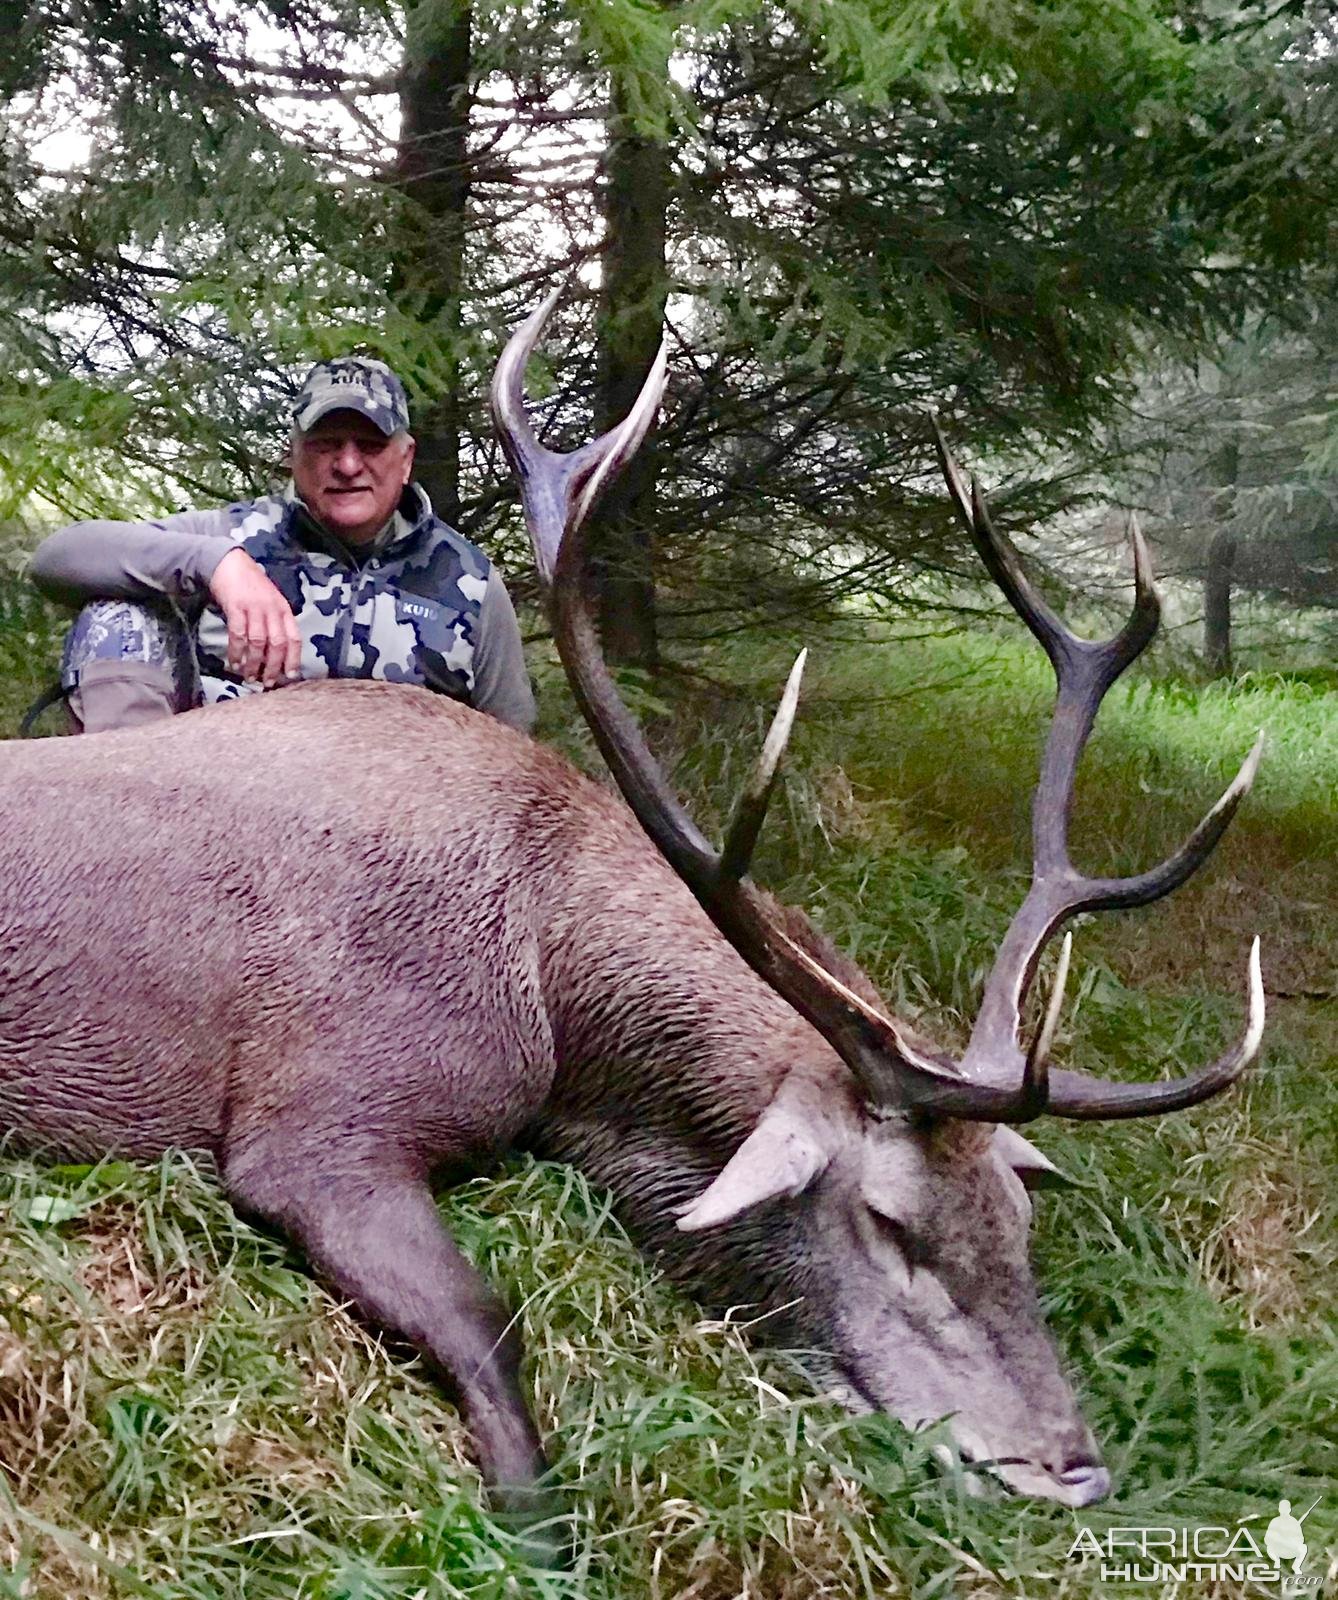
{"x": 55, "y": 694}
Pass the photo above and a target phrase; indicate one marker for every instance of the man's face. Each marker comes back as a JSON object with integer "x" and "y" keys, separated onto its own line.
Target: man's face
{"x": 350, "y": 475}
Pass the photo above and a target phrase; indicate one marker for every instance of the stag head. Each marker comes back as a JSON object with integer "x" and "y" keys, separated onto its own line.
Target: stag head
{"x": 899, "y": 1204}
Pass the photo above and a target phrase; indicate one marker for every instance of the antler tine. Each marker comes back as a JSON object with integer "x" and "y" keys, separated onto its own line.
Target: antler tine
{"x": 1092, "y": 1099}
{"x": 740, "y": 841}
{"x": 1145, "y": 585}
{"x": 508, "y": 384}
{"x": 1035, "y": 1093}
{"x": 559, "y": 489}
{"x": 958, "y": 488}
{"x": 1116, "y": 894}
{"x": 626, "y": 439}
{"x": 999, "y": 556}
{"x": 541, "y": 472}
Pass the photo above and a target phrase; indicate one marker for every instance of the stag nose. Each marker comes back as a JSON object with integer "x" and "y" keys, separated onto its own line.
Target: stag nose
{"x": 1084, "y": 1482}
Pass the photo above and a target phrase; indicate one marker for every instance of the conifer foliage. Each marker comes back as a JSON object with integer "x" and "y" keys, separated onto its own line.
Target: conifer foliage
{"x": 850, "y": 214}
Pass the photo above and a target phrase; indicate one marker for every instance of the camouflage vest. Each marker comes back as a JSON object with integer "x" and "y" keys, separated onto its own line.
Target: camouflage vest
{"x": 407, "y": 612}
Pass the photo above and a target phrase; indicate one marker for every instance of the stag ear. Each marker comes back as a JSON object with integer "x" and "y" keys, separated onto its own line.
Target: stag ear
{"x": 791, "y": 1146}
{"x": 1036, "y": 1170}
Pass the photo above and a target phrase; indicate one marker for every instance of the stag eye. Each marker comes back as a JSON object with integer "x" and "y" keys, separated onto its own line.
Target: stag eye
{"x": 912, "y": 1248}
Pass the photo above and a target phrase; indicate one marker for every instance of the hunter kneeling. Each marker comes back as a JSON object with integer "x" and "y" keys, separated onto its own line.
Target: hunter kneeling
{"x": 346, "y": 574}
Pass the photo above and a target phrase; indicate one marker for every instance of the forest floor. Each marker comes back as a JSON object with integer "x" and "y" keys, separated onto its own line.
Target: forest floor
{"x": 185, "y": 1413}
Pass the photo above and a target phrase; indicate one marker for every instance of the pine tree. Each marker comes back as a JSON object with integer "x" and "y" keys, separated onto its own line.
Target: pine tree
{"x": 855, "y": 213}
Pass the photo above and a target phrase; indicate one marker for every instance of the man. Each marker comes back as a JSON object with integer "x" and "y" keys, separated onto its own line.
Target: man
{"x": 347, "y": 574}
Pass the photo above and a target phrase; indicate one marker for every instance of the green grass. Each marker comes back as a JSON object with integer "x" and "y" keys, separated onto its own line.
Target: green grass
{"x": 184, "y": 1413}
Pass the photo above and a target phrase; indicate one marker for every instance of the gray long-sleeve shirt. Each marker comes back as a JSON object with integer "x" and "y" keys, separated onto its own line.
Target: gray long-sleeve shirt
{"x": 419, "y": 605}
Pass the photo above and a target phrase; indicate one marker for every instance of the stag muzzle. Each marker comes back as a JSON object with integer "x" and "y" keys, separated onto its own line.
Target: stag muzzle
{"x": 1079, "y": 1483}
{"x": 1041, "y": 1451}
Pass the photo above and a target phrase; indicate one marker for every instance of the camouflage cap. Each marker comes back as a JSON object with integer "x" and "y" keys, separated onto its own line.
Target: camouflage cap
{"x": 352, "y": 383}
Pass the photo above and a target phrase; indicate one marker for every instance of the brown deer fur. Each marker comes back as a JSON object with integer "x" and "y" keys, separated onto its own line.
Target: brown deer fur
{"x": 338, "y": 934}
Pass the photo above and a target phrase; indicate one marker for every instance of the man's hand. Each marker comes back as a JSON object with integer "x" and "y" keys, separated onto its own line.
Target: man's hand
{"x": 263, "y": 640}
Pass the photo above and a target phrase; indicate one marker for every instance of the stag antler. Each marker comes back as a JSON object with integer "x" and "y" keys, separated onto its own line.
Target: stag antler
{"x": 1084, "y": 671}
{"x": 557, "y": 492}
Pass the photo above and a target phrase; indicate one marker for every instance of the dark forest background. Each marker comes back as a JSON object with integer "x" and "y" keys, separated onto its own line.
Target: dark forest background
{"x": 1096, "y": 240}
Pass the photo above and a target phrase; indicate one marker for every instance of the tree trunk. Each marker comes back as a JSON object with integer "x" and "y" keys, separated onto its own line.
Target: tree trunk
{"x": 635, "y": 285}
{"x": 1217, "y": 604}
{"x": 1221, "y": 559}
{"x": 434, "y": 175}
{"x": 20, "y": 57}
